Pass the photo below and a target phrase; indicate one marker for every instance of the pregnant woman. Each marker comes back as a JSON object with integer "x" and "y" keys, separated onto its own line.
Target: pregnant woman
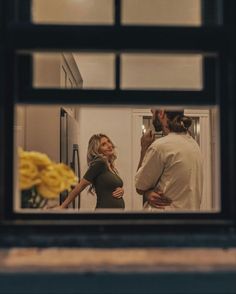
{"x": 101, "y": 176}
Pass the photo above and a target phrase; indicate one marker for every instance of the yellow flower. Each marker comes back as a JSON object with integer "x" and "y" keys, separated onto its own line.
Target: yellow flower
{"x": 28, "y": 174}
{"x": 67, "y": 175}
{"x": 51, "y": 183}
{"x": 40, "y": 159}
{"x": 49, "y": 179}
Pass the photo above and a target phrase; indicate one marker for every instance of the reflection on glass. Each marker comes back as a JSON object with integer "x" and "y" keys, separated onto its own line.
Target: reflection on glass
{"x": 72, "y": 12}
{"x": 161, "y": 71}
{"x": 161, "y": 12}
{"x": 39, "y": 128}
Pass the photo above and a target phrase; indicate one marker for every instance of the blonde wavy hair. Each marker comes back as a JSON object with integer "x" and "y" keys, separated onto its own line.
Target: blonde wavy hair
{"x": 93, "y": 153}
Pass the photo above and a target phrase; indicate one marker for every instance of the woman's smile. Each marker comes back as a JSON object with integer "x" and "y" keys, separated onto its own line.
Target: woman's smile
{"x": 106, "y": 147}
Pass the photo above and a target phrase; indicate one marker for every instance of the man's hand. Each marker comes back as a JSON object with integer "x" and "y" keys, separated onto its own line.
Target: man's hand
{"x": 157, "y": 199}
{"x": 147, "y": 139}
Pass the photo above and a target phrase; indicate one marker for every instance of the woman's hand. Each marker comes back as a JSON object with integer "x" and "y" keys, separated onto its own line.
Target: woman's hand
{"x": 118, "y": 193}
{"x": 55, "y": 207}
{"x": 157, "y": 199}
{"x": 58, "y": 207}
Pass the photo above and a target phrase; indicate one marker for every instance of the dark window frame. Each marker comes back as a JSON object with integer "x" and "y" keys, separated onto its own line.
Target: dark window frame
{"x": 219, "y": 89}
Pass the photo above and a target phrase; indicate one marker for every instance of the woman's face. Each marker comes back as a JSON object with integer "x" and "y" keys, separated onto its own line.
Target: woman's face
{"x": 106, "y": 147}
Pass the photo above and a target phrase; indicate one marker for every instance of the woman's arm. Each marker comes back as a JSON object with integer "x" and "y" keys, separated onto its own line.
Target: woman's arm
{"x": 75, "y": 192}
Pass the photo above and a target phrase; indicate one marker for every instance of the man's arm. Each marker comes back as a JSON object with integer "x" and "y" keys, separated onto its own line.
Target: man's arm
{"x": 147, "y": 139}
{"x": 153, "y": 197}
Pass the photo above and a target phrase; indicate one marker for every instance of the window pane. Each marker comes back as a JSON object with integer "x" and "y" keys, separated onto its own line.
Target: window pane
{"x": 97, "y": 69}
{"x": 84, "y": 70}
{"x": 62, "y": 132}
{"x": 161, "y": 71}
{"x": 72, "y": 12}
{"x": 133, "y": 12}
{"x": 74, "y": 70}
{"x": 162, "y": 12}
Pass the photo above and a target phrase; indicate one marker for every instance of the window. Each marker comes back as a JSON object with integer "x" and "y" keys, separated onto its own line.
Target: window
{"x": 140, "y": 62}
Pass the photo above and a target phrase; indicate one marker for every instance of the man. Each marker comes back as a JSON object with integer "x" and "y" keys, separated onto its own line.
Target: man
{"x": 170, "y": 173}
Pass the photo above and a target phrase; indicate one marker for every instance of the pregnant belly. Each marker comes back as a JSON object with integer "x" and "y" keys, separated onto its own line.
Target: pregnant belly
{"x": 108, "y": 201}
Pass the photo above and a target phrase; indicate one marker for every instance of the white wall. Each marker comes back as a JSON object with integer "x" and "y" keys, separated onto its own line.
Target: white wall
{"x": 116, "y": 123}
{"x": 42, "y": 130}
{"x": 123, "y": 126}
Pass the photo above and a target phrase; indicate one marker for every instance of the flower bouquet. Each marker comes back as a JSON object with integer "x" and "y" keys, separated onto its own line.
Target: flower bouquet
{"x": 41, "y": 179}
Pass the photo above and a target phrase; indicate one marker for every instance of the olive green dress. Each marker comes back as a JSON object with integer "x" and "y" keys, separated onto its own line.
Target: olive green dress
{"x": 105, "y": 182}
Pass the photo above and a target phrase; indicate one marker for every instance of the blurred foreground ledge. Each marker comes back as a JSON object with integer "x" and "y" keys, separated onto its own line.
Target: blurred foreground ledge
{"x": 132, "y": 259}
{"x": 119, "y": 271}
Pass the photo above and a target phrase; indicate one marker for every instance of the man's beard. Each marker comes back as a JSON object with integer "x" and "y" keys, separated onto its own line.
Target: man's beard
{"x": 157, "y": 124}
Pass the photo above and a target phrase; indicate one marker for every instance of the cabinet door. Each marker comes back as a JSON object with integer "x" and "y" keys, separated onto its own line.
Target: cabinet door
{"x": 70, "y": 76}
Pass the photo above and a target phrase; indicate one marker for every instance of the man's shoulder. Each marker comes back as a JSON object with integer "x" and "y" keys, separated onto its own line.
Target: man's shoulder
{"x": 160, "y": 142}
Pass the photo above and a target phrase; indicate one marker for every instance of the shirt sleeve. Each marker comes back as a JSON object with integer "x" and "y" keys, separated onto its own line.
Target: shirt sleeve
{"x": 96, "y": 168}
{"x": 151, "y": 170}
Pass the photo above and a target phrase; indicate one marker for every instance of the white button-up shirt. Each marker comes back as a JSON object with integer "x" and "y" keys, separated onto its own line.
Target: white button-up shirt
{"x": 173, "y": 165}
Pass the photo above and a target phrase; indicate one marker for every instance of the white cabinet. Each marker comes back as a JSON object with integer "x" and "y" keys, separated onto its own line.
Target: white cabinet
{"x": 70, "y": 75}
